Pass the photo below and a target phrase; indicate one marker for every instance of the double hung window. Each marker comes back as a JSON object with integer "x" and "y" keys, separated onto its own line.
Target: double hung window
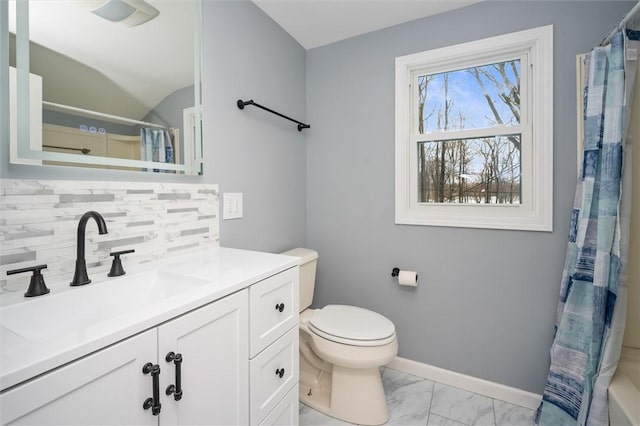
{"x": 474, "y": 136}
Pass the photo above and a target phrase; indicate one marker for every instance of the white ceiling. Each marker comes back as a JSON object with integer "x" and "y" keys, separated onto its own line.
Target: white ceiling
{"x": 315, "y": 23}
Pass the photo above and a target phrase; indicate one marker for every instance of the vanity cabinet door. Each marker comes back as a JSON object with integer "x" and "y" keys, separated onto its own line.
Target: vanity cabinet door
{"x": 213, "y": 345}
{"x": 106, "y": 387}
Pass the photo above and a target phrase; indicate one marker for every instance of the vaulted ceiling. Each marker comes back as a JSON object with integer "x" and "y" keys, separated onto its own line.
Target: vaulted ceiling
{"x": 315, "y": 23}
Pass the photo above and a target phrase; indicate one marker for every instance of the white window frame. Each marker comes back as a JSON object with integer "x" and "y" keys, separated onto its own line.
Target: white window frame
{"x": 535, "y": 212}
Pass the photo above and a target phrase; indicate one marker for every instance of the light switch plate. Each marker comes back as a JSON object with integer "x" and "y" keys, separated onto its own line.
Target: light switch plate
{"x": 231, "y": 205}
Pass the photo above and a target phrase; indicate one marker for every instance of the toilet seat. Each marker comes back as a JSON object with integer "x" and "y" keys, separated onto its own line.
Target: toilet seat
{"x": 352, "y": 325}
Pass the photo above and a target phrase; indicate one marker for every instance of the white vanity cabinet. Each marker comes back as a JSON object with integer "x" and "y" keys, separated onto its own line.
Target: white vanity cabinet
{"x": 274, "y": 369}
{"x": 106, "y": 387}
{"x": 109, "y": 386}
{"x": 225, "y": 341}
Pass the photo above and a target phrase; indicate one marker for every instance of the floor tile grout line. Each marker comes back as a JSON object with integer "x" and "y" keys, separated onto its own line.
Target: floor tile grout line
{"x": 433, "y": 388}
{"x": 493, "y": 406}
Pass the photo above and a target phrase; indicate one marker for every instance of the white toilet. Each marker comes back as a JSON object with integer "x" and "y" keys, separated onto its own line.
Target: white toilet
{"x": 341, "y": 351}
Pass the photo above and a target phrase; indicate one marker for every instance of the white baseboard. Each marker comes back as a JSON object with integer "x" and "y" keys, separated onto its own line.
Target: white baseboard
{"x": 469, "y": 383}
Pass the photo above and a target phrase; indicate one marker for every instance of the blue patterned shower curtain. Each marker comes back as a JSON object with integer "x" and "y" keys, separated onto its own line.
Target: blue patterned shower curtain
{"x": 591, "y": 311}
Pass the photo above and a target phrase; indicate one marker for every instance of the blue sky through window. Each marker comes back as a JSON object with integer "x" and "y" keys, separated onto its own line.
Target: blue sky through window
{"x": 469, "y": 108}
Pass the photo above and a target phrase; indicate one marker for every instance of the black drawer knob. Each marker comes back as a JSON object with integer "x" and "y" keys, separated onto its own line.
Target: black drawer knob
{"x": 280, "y": 307}
{"x": 280, "y": 372}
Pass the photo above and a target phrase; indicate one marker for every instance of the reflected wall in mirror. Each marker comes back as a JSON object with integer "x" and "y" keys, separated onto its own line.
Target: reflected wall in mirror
{"x": 106, "y": 83}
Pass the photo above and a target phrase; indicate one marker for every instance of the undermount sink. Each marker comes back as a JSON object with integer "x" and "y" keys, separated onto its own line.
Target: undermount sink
{"x": 80, "y": 308}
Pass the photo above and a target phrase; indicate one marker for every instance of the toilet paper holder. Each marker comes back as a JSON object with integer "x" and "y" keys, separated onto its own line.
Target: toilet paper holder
{"x": 396, "y": 271}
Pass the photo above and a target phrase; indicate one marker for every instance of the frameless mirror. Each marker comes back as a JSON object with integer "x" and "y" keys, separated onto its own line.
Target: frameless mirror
{"x": 111, "y": 84}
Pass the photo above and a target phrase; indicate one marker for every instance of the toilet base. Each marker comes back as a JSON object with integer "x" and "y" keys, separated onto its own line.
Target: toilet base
{"x": 350, "y": 394}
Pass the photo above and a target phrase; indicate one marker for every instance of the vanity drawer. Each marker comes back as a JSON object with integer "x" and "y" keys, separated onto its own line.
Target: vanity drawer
{"x": 267, "y": 386}
{"x": 273, "y": 309}
{"x": 286, "y": 412}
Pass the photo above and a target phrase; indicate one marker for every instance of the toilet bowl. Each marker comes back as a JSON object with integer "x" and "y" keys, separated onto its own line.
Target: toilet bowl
{"x": 340, "y": 369}
{"x": 342, "y": 348}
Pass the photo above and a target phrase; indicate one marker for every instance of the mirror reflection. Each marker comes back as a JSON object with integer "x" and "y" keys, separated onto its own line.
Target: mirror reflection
{"x": 110, "y": 79}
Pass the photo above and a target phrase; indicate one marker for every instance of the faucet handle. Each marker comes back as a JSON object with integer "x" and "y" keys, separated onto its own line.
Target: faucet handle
{"x": 37, "y": 286}
{"x": 116, "y": 265}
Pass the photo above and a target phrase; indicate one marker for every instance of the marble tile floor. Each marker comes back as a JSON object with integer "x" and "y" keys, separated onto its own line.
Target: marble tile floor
{"x": 417, "y": 401}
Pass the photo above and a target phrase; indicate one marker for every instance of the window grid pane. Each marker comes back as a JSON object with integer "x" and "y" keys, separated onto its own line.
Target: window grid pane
{"x": 470, "y": 98}
{"x": 470, "y": 171}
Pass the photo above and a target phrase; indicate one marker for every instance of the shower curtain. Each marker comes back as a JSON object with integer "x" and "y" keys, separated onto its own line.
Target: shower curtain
{"x": 156, "y": 145}
{"x": 591, "y": 311}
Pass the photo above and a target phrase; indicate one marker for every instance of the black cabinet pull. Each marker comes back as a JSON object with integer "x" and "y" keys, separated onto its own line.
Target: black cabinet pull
{"x": 176, "y": 389}
{"x": 153, "y": 403}
{"x": 280, "y": 307}
{"x": 280, "y": 372}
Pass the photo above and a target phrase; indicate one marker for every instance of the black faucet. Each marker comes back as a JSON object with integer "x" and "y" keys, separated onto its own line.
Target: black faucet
{"x": 80, "y": 276}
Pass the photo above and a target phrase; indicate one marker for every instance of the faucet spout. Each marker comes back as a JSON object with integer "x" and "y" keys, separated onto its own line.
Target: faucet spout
{"x": 80, "y": 276}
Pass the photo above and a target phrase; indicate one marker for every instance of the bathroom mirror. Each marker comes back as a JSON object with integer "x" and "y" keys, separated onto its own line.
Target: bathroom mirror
{"x": 110, "y": 84}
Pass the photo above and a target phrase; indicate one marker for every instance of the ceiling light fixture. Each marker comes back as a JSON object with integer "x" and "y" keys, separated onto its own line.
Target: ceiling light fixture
{"x": 127, "y": 12}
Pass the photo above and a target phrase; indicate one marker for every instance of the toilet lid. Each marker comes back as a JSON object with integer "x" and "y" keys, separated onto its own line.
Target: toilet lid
{"x": 351, "y": 323}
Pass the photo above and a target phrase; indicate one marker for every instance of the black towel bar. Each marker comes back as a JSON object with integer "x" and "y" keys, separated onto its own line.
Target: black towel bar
{"x": 241, "y": 104}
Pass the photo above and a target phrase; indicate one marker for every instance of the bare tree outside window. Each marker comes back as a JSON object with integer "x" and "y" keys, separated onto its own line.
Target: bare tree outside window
{"x": 479, "y": 170}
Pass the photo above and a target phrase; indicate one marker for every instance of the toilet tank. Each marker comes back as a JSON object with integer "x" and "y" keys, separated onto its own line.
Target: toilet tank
{"x": 308, "y": 259}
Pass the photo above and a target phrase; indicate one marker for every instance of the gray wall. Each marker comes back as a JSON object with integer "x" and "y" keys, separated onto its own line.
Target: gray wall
{"x": 486, "y": 299}
{"x": 246, "y": 55}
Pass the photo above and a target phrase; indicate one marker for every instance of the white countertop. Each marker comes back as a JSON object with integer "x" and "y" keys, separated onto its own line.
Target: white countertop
{"x": 225, "y": 270}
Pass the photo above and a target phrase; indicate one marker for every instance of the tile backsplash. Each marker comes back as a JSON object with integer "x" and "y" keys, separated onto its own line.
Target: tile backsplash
{"x": 39, "y": 220}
